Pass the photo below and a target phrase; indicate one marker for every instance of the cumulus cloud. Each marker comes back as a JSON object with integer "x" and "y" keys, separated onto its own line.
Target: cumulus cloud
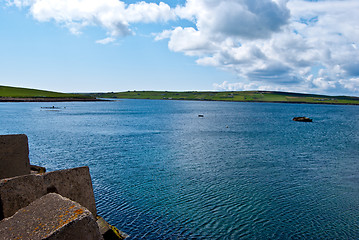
{"x": 112, "y": 15}
{"x": 250, "y": 19}
{"x": 297, "y": 45}
{"x": 106, "y": 40}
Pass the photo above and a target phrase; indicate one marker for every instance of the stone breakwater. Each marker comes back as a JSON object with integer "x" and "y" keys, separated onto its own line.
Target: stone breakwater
{"x": 53, "y": 205}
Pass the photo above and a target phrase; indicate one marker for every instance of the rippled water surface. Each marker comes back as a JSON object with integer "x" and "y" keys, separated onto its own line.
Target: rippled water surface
{"x": 244, "y": 170}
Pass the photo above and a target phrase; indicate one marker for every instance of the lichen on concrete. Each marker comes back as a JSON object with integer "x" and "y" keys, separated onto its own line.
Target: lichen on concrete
{"x": 18, "y": 192}
{"x": 51, "y": 217}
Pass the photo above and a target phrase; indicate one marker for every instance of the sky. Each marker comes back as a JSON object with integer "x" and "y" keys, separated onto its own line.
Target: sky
{"x": 181, "y": 45}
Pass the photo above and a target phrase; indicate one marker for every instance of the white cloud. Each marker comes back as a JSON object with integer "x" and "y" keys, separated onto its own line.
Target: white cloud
{"x": 187, "y": 40}
{"x": 295, "y": 45}
{"x": 351, "y": 83}
{"x": 106, "y": 40}
{"x": 275, "y": 44}
{"x": 113, "y": 15}
{"x": 226, "y": 86}
{"x": 149, "y": 12}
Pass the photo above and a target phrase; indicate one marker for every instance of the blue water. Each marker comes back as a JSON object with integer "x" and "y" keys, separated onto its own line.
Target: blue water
{"x": 245, "y": 170}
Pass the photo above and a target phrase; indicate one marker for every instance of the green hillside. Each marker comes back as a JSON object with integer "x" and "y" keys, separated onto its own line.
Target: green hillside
{"x": 235, "y": 96}
{"x": 239, "y": 96}
{"x": 15, "y": 92}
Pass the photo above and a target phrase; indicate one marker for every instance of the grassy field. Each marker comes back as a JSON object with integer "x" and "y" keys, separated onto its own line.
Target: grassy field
{"x": 238, "y": 96}
{"x": 235, "y": 96}
{"x": 14, "y": 92}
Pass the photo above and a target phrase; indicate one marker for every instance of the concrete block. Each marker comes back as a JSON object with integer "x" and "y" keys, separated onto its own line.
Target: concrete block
{"x": 51, "y": 217}
{"x": 14, "y": 155}
{"x": 72, "y": 183}
{"x": 20, "y": 191}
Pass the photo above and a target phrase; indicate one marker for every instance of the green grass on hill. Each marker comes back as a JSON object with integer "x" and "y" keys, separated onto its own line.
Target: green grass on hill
{"x": 240, "y": 96}
{"x": 235, "y": 96}
{"x": 15, "y": 92}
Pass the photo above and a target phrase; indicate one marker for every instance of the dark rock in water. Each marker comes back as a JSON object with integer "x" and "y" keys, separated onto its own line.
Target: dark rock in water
{"x": 37, "y": 169}
{"x": 302, "y": 119}
{"x": 110, "y": 232}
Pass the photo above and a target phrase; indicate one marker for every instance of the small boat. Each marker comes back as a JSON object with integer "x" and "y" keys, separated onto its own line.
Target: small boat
{"x": 53, "y": 107}
{"x": 302, "y": 119}
{"x": 200, "y": 115}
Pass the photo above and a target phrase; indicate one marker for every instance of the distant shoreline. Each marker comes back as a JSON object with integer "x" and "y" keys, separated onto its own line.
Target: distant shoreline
{"x": 49, "y": 99}
{"x": 252, "y": 101}
{"x": 234, "y": 96}
{"x": 14, "y": 94}
{"x": 9, "y": 99}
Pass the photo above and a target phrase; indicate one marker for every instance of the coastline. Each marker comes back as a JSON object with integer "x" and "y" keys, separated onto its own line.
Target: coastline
{"x": 49, "y": 99}
{"x": 235, "y": 96}
{"x": 252, "y": 101}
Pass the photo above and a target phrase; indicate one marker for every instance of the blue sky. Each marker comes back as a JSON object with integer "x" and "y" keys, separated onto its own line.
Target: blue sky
{"x": 111, "y": 45}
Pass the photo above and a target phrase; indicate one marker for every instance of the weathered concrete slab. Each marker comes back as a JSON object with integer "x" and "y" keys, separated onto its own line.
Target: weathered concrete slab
{"x": 20, "y": 191}
{"x": 72, "y": 183}
{"x": 51, "y": 217}
{"x": 14, "y": 155}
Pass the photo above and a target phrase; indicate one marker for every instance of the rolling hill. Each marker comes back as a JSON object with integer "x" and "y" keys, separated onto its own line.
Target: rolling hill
{"x": 16, "y": 94}
{"x": 234, "y": 96}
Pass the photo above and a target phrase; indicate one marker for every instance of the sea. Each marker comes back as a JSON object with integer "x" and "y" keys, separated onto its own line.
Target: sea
{"x": 242, "y": 171}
